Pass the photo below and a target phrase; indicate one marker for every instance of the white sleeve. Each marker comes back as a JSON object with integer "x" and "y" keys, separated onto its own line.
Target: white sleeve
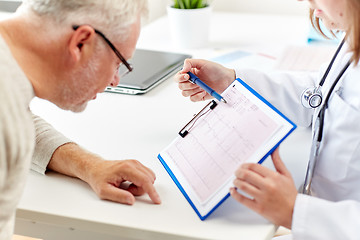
{"x": 47, "y": 141}
{"x": 315, "y": 218}
{"x": 283, "y": 90}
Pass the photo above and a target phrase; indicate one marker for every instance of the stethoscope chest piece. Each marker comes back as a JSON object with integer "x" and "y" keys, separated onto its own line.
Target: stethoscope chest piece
{"x": 311, "y": 97}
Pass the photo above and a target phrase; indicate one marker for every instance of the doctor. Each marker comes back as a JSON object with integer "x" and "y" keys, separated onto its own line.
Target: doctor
{"x": 329, "y": 205}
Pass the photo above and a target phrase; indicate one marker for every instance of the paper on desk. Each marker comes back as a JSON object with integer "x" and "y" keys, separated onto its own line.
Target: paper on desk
{"x": 304, "y": 58}
{"x": 293, "y": 58}
{"x": 243, "y": 59}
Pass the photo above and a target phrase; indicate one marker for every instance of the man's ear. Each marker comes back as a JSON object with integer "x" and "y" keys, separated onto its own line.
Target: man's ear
{"x": 82, "y": 42}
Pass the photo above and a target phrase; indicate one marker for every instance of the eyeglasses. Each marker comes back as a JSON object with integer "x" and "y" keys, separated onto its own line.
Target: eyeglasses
{"x": 117, "y": 53}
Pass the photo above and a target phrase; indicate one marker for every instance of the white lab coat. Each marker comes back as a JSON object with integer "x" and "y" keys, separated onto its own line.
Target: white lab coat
{"x": 333, "y": 211}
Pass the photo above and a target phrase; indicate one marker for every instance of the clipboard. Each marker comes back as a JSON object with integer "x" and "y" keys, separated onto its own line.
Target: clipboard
{"x": 210, "y": 147}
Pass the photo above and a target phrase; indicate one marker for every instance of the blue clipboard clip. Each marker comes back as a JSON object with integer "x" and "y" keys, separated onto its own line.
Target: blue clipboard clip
{"x": 185, "y": 130}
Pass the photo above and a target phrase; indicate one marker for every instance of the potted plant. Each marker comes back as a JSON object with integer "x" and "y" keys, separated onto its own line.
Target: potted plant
{"x": 189, "y": 23}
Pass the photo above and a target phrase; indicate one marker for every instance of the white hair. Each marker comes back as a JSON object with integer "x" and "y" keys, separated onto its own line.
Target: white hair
{"x": 113, "y": 17}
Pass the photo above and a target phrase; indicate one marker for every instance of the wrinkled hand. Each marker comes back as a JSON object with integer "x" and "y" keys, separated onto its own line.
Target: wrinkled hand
{"x": 106, "y": 178}
{"x": 213, "y": 74}
{"x": 273, "y": 193}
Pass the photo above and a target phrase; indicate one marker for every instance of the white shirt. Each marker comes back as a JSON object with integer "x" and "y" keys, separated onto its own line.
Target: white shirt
{"x": 333, "y": 212}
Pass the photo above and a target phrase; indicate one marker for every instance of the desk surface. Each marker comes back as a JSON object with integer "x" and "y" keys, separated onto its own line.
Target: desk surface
{"x": 138, "y": 127}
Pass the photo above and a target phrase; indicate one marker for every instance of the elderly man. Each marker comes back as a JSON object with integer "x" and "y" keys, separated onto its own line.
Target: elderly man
{"x": 60, "y": 50}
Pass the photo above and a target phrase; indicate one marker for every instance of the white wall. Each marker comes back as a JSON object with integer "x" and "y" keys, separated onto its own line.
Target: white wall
{"x": 158, "y": 7}
{"x": 262, "y": 6}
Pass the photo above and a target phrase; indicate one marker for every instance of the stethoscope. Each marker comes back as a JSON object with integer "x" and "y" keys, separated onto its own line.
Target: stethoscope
{"x": 312, "y": 98}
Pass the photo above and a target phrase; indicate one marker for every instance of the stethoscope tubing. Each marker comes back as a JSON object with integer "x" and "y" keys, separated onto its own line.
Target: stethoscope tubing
{"x": 317, "y": 137}
{"x": 321, "y": 115}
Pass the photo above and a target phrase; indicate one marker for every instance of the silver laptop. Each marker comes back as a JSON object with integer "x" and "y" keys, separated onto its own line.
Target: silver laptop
{"x": 150, "y": 69}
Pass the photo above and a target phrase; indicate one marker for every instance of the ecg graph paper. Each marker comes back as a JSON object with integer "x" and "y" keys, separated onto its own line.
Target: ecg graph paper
{"x": 219, "y": 142}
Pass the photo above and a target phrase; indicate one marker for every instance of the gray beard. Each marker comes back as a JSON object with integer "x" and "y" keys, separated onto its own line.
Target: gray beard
{"x": 78, "y": 85}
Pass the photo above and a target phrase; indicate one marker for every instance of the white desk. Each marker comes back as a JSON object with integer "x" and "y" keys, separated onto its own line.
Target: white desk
{"x": 4, "y": 15}
{"x": 116, "y": 126}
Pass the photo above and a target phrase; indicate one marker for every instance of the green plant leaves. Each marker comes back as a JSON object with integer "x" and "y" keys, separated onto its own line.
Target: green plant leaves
{"x": 189, "y": 4}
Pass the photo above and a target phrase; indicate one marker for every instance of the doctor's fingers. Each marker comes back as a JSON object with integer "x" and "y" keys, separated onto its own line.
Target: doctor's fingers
{"x": 250, "y": 203}
{"x": 181, "y": 77}
{"x": 195, "y": 94}
{"x": 257, "y": 168}
{"x": 261, "y": 177}
{"x": 279, "y": 164}
{"x": 201, "y": 96}
{"x": 250, "y": 177}
{"x": 247, "y": 188}
{"x": 195, "y": 65}
{"x": 188, "y": 86}
{"x": 189, "y": 65}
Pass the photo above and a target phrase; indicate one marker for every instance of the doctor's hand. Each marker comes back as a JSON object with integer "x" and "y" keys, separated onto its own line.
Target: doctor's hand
{"x": 273, "y": 193}
{"x": 213, "y": 74}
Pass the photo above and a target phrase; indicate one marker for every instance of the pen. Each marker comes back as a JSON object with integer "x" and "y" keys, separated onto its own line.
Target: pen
{"x": 194, "y": 79}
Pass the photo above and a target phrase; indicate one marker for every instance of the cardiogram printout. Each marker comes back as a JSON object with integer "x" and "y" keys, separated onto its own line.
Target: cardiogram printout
{"x": 218, "y": 140}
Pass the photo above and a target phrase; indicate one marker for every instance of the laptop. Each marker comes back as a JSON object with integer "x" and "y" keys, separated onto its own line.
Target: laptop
{"x": 150, "y": 69}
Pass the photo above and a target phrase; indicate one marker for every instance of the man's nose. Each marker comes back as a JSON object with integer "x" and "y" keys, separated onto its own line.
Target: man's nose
{"x": 116, "y": 80}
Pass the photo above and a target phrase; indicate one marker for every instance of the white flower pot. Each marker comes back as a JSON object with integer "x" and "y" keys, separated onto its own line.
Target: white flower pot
{"x": 189, "y": 27}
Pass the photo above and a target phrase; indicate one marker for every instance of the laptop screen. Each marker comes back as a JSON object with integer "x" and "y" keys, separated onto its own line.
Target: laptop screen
{"x": 150, "y": 69}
